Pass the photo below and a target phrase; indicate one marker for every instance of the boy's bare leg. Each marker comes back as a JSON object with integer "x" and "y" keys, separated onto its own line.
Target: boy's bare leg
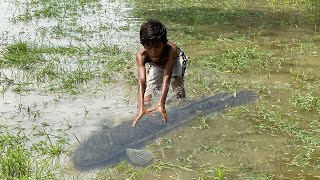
{"x": 177, "y": 85}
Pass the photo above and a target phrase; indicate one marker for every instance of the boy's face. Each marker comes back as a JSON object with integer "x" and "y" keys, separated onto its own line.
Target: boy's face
{"x": 154, "y": 50}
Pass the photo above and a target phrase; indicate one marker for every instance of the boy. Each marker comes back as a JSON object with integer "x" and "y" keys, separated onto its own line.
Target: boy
{"x": 165, "y": 60}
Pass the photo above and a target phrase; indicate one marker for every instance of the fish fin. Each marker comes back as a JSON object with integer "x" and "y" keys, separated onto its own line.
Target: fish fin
{"x": 140, "y": 157}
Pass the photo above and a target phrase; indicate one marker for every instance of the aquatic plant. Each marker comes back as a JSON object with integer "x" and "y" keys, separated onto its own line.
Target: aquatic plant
{"x": 236, "y": 60}
{"x": 19, "y": 160}
{"x": 306, "y": 102}
{"x": 36, "y": 9}
{"x": 310, "y": 8}
{"x": 21, "y": 55}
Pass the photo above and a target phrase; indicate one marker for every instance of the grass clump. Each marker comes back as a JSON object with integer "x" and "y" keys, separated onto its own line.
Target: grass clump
{"x": 15, "y": 159}
{"x": 306, "y": 102}
{"x": 310, "y": 9}
{"x": 20, "y": 160}
{"x": 20, "y": 55}
{"x": 62, "y": 68}
{"x": 72, "y": 79}
{"x": 236, "y": 60}
{"x": 51, "y": 9}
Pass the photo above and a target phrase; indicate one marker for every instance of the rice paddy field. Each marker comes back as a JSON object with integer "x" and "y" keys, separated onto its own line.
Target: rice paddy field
{"x": 67, "y": 69}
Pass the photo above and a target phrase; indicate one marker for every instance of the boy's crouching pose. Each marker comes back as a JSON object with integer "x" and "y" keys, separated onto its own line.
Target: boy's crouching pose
{"x": 165, "y": 60}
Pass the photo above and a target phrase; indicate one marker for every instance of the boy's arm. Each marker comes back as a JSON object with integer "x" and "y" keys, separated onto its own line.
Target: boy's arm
{"x": 141, "y": 79}
{"x": 166, "y": 82}
{"x": 141, "y": 110}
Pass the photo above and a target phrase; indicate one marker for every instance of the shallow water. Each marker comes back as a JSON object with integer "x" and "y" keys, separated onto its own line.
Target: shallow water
{"x": 74, "y": 117}
{"x": 106, "y": 23}
{"x": 77, "y": 115}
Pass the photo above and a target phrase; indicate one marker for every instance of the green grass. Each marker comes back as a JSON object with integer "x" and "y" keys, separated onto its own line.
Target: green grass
{"x": 310, "y": 8}
{"x": 306, "y": 102}
{"x": 20, "y": 55}
{"x": 236, "y": 60}
{"x": 20, "y": 160}
{"x": 63, "y": 68}
{"x": 50, "y": 9}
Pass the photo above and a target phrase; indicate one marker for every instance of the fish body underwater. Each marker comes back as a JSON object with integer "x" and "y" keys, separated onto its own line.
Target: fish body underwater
{"x": 110, "y": 146}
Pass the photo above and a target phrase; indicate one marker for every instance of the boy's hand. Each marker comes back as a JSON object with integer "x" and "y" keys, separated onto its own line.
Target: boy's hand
{"x": 162, "y": 109}
{"x": 140, "y": 113}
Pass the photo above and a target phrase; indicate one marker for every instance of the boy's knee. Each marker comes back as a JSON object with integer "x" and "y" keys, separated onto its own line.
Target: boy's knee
{"x": 177, "y": 82}
{"x": 178, "y": 86}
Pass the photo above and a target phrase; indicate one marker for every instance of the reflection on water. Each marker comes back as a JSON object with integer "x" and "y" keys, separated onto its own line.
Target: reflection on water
{"x": 79, "y": 115}
{"x": 108, "y": 24}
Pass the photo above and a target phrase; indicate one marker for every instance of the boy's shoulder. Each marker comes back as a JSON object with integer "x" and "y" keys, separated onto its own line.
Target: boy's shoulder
{"x": 142, "y": 52}
{"x": 172, "y": 45}
{"x": 141, "y": 56}
{"x": 173, "y": 48}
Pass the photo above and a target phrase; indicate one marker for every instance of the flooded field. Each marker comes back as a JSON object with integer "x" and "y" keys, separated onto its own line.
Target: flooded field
{"x": 67, "y": 70}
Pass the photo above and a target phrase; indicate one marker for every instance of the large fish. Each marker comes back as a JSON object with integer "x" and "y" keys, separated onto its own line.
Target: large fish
{"x": 110, "y": 146}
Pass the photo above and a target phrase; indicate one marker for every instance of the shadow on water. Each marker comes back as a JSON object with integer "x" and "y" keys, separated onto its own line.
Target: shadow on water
{"x": 108, "y": 146}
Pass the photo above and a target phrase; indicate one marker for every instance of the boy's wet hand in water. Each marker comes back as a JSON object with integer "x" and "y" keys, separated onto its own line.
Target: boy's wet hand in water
{"x": 140, "y": 113}
{"x": 161, "y": 108}
{"x": 144, "y": 110}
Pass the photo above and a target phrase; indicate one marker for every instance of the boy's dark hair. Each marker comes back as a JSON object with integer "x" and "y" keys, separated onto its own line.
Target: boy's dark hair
{"x": 153, "y": 31}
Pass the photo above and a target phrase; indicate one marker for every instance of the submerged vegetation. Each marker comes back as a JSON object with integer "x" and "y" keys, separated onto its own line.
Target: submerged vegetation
{"x": 269, "y": 46}
{"x": 62, "y": 68}
{"x": 236, "y": 60}
{"x": 23, "y": 159}
{"x": 37, "y": 9}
